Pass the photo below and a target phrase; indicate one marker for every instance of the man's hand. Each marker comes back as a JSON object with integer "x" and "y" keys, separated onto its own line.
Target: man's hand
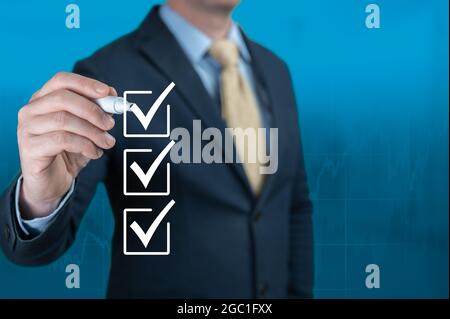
{"x": 60, "y": 130}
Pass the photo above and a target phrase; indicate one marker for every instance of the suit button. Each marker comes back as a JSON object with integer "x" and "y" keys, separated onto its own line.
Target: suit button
{"x": 7, "y": 233}
{"x": 257, "y": 216}
{"x": 263, "y": 290}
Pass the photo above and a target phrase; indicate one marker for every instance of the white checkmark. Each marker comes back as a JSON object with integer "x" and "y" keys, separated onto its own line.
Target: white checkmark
{"x": 146, "y": 119}
{"x": 146, "y": 177}
{"x": 146, "y": 236}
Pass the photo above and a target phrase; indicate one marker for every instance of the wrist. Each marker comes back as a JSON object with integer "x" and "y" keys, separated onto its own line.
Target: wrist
{"x": 31, "y": 207}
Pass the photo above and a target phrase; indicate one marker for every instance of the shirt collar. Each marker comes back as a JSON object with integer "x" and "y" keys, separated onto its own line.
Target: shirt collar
{"x": 235, "y": 35}
{"x": 194, "y": 42}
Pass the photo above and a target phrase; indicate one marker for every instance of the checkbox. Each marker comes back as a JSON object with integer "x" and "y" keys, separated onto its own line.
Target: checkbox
{"x": 139, "y": 120}
{"x": 141, "y": 167}
{"x": 143, "y": 231}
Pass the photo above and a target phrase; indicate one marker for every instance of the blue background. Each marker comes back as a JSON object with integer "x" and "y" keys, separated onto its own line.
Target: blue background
{"x": 374, "y": 116}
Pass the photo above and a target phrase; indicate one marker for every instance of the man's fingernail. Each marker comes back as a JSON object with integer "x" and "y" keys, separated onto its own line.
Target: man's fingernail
{"x": 110, "y": 140}
{"x": 110, "y": 121}
{"x": 101, "y": 88}
{"x": 113, "y": 90}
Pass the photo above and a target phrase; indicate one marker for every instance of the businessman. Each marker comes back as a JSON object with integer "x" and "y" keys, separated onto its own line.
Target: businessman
{"x": 235, "y": 233}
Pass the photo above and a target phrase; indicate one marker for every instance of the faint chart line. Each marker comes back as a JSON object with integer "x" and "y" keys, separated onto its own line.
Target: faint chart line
{"x": 90, "y": 239}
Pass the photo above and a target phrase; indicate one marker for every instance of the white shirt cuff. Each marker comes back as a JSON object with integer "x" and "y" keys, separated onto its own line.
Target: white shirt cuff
{"x": 37, "y": 225}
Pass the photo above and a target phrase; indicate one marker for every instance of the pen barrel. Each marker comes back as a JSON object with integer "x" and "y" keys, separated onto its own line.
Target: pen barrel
{"x": 111, "y": 104}
{"x": 119, "y": 105}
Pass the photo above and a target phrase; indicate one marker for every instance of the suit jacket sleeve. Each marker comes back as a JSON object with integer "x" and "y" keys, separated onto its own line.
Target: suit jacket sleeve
{"x": 301, "y": 226}
{"x": 60, "y": 233}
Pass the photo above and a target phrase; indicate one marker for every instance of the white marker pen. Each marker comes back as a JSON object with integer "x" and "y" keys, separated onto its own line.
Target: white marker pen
{"x": 113, "y": 104}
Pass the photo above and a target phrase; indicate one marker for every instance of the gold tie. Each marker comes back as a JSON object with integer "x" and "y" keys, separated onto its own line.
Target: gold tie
{"x": 239, "y": 108}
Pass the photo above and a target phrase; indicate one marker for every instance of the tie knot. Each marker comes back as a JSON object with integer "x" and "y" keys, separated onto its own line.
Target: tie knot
{"x": 225, "y": 52}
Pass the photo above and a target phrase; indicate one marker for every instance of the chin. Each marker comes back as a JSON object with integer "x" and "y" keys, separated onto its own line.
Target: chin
{"x": 220, "y": 5}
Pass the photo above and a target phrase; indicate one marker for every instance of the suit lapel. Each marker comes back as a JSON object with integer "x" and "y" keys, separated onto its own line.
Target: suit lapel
{"x": 162, "y": 50}
{"x": 267, "y": 96}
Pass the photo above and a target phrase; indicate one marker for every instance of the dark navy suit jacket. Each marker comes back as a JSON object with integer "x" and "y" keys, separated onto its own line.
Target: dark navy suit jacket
{"x": 224, "y": 241}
